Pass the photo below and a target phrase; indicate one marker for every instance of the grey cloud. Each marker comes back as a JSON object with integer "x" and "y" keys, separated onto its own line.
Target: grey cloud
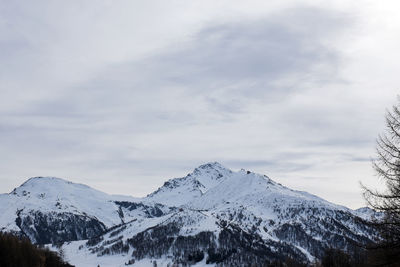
{"x": 275, "y": 165}
{"x": 225, "y": 67}
{"x": 214, "y": 77}
{"x": 231, "y": 87}
{"x": 253, "y": 55}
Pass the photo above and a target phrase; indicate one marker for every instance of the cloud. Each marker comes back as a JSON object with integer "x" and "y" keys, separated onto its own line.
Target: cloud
{"x": 216, "y": 76}
{"x": 281, "y": 165}
{"x": 143, "y": 93}
{"x": 246, "y": 59}
{"x": 224, "y": 68}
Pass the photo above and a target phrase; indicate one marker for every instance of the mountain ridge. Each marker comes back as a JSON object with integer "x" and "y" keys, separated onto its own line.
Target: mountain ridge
{"x": 212, "y": 211}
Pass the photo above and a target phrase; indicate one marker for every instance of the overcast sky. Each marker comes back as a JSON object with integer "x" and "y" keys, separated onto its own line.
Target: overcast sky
{"x": 123, "y": 95}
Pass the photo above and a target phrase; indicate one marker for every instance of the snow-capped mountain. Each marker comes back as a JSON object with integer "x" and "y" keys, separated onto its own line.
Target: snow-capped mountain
{"x": 52, "y": 210}
{"x": 181, "y": 191}
{"x": 211, "y": 216}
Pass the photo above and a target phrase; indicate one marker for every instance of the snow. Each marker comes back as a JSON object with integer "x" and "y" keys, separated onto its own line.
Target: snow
{"x": 367, "y": 213}
{"x": 207, "y": 195}
{"x": 305, "y": 252}
{"x": 83, "y": 258}
{"x": 50, "y": 194}
{"x": 179, "y": 191}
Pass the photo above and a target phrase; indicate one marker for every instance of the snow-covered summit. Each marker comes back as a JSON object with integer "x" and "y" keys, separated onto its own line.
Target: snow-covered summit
{"x": 42, "y": 185}
{"x": 218, "y": 206}
{"x": 53, "y": 193}
{"x": 57, "y": 196}
{"x": 179, "y": 191}
{"x": 210, "y": 206}
{"x": 210, "y": 174}
{"x": 211, "y": 167}
{"x": 211, "y": 185}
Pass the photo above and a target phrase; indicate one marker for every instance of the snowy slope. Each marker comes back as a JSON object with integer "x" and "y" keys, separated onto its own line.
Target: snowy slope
{"x": 212, "y": 215}
{"x": 252, "y": 189}
{"x": 55, "y": 194}
{"x": 180, "y": 191}
{"x": 53, "y": 209}
{"x": 49, "y": 194}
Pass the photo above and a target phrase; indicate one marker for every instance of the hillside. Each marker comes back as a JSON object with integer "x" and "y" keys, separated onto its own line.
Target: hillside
{"x": 211, "y": 216}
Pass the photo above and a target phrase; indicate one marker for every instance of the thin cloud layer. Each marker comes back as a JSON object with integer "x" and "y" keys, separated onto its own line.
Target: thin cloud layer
{"x": 123, "y": 107}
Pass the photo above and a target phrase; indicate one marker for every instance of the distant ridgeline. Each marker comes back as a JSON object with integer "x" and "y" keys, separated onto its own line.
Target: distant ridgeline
{"x": 213, "y": 215}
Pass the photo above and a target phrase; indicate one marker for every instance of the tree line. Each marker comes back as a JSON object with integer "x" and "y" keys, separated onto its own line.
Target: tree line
{"x": 20, "y": 252}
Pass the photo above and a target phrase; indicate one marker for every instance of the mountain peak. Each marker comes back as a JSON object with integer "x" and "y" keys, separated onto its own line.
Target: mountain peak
{"x": 210, "y": 174}
{"x": 209, "y": 207}
{"x": 40, "y": 180}
{"x": 44, "y": 179}
{"x": 41, "y": 185}
{"x": 211, "y": 169}
{"x": 179, "y": 191}
{"x": 212, "y": 165}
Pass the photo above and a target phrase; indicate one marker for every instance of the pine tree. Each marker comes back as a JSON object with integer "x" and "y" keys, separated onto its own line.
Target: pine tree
{"x": 387, "y": 168}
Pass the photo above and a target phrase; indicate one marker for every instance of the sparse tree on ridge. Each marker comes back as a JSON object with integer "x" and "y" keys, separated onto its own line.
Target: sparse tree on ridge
{"x": 387, "y": 168}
